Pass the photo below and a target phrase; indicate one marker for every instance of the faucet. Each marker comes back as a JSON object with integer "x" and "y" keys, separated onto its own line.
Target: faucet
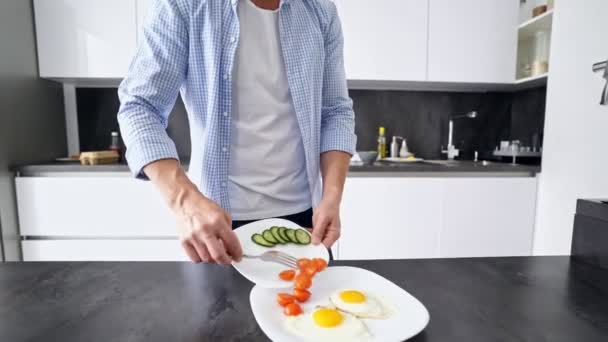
{"x": 451, "y": 150}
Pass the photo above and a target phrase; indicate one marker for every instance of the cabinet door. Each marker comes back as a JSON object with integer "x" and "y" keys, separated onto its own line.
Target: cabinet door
{"x": 488, "y": 217}
{"x": 384, "y": 39}
{"x": 85, "y": 38}
{"x": 391, "y": 218}
{"x": 473, "y": 40}
{"x": 102, "y": 250}
{"x": 92, "y": 207}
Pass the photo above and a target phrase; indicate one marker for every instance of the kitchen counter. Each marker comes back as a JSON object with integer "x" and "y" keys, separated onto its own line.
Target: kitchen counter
{"x": 485, "y": 299}
{"x": 461, "y": 169}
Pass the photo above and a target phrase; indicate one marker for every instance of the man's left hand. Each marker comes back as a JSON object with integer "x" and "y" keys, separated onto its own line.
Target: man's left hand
{"x": 326, "y": 222}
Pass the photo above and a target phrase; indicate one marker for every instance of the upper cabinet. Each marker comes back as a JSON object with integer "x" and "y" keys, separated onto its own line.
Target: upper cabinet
{"x": 384, "y": 40}
{"x": 473, "y": 41}
{"x": 387, "y": 43}
{"x": 85, "y": 38}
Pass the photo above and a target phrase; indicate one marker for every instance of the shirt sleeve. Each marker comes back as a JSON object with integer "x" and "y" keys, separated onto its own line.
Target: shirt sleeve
{"x": 148, "y": 93}
{"x": 337, "y": 115}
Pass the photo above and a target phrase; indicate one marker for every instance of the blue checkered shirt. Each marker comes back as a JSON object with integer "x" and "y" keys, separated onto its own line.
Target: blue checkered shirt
{"x": 188, "y": 46}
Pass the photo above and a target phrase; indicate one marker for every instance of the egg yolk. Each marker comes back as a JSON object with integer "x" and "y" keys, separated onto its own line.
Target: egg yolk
{"x": 352, "y": 296}
{"x": 327, "y": 318}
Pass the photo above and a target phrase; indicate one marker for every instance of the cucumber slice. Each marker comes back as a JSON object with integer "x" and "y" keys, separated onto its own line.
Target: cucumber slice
{"x": 261, "y": 241}
{"x": 291, "y": 234}
{"x": 283, "y": 233}
{"x": 303, "y": 237}
{"x": 267, "y": 235}
{"x": 275, "y": 232}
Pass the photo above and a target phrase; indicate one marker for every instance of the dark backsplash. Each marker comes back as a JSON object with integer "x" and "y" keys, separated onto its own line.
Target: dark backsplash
{"x": 421, "y": 117}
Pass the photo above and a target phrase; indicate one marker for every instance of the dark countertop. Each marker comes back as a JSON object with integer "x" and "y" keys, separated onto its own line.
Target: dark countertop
{"x": 485, "y": 299}
{"x": 463, "y": 169}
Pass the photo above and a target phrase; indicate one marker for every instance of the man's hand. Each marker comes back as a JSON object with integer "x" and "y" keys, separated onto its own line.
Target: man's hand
{"x": 205, "y": 228}
{"x": 326, "y": 223}
{"x": 326, "y": 216}
{"x": 206, "y": 232}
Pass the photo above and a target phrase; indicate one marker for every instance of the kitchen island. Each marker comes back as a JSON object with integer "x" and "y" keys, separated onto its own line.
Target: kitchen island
{"x": 479, "y": 299}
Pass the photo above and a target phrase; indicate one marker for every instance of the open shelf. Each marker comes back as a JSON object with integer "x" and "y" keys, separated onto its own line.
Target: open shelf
{"x": 543, "y": 22}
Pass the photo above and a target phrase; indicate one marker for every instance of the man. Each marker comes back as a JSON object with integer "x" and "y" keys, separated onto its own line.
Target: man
{"x": 264, "y": 87}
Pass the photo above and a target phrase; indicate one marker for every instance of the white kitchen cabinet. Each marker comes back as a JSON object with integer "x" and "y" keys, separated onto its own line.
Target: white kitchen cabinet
{"x": 384, "y": 39}
{"x": 92, "y": 207}
{"x": 488, "y": 217}
{"x": 102, "y": 250}
{"x": 472, "y": 41}
{"x": 85, "y": 38}
{"x": 143, "y": 9}
{"x": 391, "y": 218}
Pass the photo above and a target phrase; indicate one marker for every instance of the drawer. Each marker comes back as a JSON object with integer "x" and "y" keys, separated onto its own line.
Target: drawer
{"x": 103, "y": 250}
{"x": 92, "y": 207}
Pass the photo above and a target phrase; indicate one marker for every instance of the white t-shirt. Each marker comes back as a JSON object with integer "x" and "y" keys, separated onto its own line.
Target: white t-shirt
{"x": 267, "y": 176}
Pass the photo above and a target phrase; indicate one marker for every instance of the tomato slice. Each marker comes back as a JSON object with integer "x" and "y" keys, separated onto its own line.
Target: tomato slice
{"x": 309, "y": 270}
{"x": 319, "y": 264}
{"x": 285, "y": 299}
{"x": 303, "y": 263}
{"x": 303, "y": 281}
{"x": 287, "y": 275}
{"x": 301, "y": 295}
{"x": 293, "y": 309}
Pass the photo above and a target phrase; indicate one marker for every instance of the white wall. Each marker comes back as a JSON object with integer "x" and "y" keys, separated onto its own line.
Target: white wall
{"x": 575, "y": 158}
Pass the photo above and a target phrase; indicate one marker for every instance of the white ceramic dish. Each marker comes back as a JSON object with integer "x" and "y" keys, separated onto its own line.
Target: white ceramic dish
{"x": 266, "y": 274}
{"x": 409, "y": 318}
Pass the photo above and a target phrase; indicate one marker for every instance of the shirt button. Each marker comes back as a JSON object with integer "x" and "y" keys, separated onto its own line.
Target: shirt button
{"x": 233, "y": 39}
{"x": 225, "y": 149}
{"x": 225, "y": 77}
{"x": 224, "y": 184}
{"x": 225, "y": 114}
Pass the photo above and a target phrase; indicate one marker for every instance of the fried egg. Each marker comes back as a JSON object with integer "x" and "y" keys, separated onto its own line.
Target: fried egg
{"x": 360, "y": 304}
{"x": 327, "y": 325}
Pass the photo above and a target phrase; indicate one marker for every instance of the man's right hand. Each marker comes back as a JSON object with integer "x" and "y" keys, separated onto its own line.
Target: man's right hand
{"x": 206, "y": 232}
{"x": 205, "y": 228}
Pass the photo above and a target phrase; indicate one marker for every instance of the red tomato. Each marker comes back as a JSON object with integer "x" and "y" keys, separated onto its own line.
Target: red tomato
{"x": 303, "y": 281}
{"x": 285, "y": 299}
{"x": 287, "y": 275}
{"x": 309, "y": 270}
{"x": 292, "y": 309}
{"x": 319, "y": 264}
{"x": 303, "y": 263}
{"x": 301, "y": 295}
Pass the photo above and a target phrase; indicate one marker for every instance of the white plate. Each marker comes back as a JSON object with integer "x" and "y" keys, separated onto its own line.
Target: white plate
{"x": 410, "y": 316}
{"x": 266, "y": 274}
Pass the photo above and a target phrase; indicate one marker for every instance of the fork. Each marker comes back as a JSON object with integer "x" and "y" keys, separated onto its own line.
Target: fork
{"x": 277, "y": 257}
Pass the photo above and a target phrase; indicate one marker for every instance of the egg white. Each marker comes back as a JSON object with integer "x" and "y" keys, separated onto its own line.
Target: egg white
{"x": 372, "y": 307}
{"x": 350, "y": 329}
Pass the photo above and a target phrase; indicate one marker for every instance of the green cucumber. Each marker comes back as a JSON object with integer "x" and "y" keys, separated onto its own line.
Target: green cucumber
{"x": 269, "y": 237}
{"x": 303, "y": 237}
{"x": 291, "y": 234}
{"x": 275, "y": 232}
{"x": 261, "y": 241}
{"x": 283, "y": 233}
